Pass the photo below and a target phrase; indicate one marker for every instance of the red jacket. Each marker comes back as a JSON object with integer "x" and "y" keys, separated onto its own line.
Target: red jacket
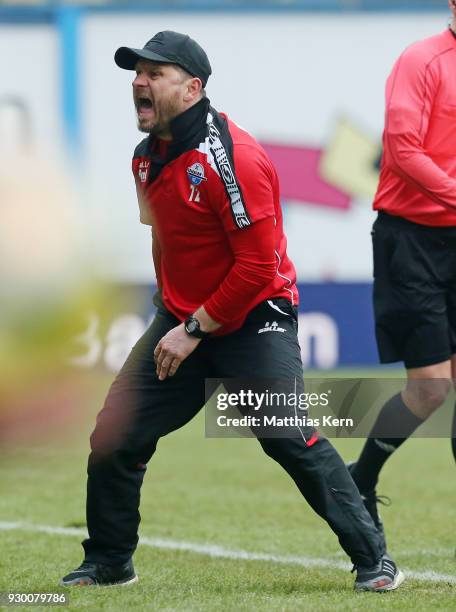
{"x": 212, "y": 198}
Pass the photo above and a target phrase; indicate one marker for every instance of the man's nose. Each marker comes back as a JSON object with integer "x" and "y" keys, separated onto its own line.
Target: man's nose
{"x": 139, "y": 81}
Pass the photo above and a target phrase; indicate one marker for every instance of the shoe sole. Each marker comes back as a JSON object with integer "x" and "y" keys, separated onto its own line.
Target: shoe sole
{"x": 392, "y": 586}
{"x": 398, "y": 580}
{"x": 112, "y": 584}
{"x": 133, "y": 580}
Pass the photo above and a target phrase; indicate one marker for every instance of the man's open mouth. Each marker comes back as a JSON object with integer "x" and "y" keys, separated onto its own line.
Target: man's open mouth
{"x": 143, "y": 104}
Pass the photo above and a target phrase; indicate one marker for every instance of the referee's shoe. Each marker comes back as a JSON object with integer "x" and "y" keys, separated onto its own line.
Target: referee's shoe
{"x": 88, "y": 574}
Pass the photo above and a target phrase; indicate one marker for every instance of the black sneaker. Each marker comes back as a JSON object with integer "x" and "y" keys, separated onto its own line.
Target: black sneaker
{"x": 371, "y": 499}
{"x": 383, "y": 577}
{"x": 97, "y": 574}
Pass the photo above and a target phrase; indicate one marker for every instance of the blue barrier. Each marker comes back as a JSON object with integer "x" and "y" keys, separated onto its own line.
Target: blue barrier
{"x": 335, "y": 326}
{"x": 349, "y": 306}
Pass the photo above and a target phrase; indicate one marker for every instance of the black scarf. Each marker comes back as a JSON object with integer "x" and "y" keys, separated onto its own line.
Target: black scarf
{"x": 187, "y": 130}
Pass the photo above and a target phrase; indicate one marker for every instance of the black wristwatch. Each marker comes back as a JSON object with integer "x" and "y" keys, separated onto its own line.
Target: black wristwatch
{"x": 192, "y": 327}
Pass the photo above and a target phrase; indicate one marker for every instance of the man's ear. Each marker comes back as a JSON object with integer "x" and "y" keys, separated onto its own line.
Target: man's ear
{"x": 194, "y": 87}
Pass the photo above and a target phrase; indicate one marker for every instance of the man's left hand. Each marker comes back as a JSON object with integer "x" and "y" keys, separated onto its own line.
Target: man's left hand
{"x": 172, "y": 349}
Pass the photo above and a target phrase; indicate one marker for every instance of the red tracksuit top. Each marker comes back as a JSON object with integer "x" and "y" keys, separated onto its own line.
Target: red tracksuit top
{"x": 213, "y": 203}
{"x": 418, "y": 169}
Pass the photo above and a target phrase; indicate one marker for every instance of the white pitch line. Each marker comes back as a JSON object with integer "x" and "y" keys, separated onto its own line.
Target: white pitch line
{"x": 215, "y": 551}
{"x": 416, "y": 552}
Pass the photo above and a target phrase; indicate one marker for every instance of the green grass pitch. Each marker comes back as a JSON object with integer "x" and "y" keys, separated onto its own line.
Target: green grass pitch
{"x": 225, "y": 493}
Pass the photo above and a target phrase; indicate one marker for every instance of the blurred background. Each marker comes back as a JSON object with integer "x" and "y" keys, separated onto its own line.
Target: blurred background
{"x": 306, "y": 77}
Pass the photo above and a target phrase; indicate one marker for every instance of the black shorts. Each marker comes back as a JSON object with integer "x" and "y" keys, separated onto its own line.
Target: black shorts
{"x": 414, "y": 291}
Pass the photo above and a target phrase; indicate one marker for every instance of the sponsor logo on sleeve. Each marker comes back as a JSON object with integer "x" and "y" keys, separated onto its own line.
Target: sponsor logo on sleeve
{"x": 223, "y": 164}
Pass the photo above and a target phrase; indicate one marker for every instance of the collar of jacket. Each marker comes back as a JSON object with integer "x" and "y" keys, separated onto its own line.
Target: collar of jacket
{"x": 187, "y": 129}
{"x": 186, "y": 126}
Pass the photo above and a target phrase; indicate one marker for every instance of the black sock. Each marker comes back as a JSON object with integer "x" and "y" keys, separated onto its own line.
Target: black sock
{"x": 394, "y": 424}
{"x": 453, "y": 434}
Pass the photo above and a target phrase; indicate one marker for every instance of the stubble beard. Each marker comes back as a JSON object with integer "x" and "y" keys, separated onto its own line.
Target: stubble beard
{"x": 146, "y": 129}
{"x": 168, "y": 112}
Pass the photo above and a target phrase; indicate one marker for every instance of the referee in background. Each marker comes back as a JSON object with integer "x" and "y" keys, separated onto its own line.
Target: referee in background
{"x": 414, "y": 244}
{"x": 227, "y": 308}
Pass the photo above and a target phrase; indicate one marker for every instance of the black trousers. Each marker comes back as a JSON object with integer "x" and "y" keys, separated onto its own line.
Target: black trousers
{"x": 140, "y": 409}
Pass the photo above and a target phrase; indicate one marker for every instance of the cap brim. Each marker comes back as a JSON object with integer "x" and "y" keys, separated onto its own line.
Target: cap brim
{"x": 127, "y": 57}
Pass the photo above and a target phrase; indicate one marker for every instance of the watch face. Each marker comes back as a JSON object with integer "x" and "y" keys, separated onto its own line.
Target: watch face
{"x": 192, "y": 326}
